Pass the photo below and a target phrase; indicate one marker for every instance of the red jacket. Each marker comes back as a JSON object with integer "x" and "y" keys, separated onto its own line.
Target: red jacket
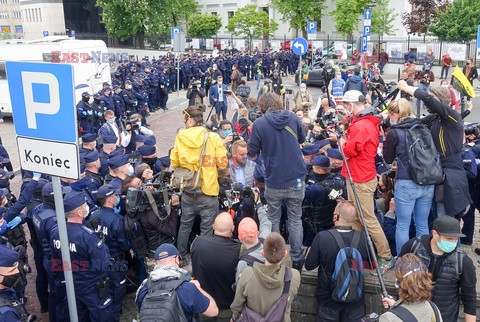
{"x": 361, "y": 148}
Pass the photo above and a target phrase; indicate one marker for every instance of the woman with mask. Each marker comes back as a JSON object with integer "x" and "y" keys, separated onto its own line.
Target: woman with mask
{"x": 415, "y": 287}
{"x": 411, "y": 199}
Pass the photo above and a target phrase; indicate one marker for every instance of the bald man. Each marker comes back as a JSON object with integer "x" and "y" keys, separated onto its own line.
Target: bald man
{"x": 214, "y": 260}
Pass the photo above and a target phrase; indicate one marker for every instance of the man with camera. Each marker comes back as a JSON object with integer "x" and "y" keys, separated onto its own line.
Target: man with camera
{"x": 202, "y": 200}
{"x": 195, "y": 93}
{"x": 134, "y": 128}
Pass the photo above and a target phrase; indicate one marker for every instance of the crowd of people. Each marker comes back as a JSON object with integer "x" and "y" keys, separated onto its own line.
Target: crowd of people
{"x": 221, "y": 227}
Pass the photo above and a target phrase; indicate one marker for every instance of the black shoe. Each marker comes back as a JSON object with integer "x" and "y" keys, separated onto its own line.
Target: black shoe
{"x": 298, "y": 265}
{"x": 477, "y": 251}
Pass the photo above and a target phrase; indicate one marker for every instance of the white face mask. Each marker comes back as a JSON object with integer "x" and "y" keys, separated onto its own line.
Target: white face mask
{"x": 303, "y": 90}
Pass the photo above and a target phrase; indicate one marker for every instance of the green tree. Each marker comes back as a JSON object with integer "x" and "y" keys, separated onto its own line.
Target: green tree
{"x": 382, "y": 18}
{"x": 203, "y": 25}
{"x": 347, "y": 14}
{"x": 298, "y": 12}
{"x": 124, "y": 19}
{"x": 458, "y": 23}
{"x": 250, "y": 22}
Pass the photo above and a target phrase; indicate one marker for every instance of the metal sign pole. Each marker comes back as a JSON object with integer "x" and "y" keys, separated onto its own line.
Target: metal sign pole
{"x": 178, "y": 73}
{"x": 65, "y": 249}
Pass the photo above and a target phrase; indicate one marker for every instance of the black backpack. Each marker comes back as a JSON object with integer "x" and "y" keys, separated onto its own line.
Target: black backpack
{"x": 348, "y": 275}
{"x": 405, "y": 315}
{"x": 423, "y": 160}
{"x": 134, "y": 233}
{"x": 161, "y": 303}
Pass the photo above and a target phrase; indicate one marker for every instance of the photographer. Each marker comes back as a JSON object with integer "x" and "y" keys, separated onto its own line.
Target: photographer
{"x": 134, "y": 128}
{"x": 424, "y": 80}
{"x": 195, "y": 93}
{"x": 243, "y": 91}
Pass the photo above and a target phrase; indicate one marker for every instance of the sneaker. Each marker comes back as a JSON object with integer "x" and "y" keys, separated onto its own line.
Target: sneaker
{"x": 384, "y": 264}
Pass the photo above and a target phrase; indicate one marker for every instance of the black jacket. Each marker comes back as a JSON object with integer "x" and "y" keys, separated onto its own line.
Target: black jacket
{"x": 446, "y": 126}
{"x": 158, "y": 231}
{"x": 452, "y": 282}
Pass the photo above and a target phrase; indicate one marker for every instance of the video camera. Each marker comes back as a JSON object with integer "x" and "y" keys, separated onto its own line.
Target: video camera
{"x": 471, "y": 128}
{"x": 196, "y": 84}
{"x": 327, "y": 120}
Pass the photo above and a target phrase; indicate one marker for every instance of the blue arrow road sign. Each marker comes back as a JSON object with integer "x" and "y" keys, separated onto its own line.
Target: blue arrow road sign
{"x": 367, "y": 14}
{"x": 312, "y": 27}
{"x": 300, "y": 46}
{"x": 366, "y": 30}
{"x": 364, "y": 44}
{"x": 45, "y": 33}
{"x": 42, "y": 100}
{"x": 175, "y": 30}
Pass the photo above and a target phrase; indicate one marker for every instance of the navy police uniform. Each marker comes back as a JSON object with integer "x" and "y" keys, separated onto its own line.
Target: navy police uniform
{"x": 90, "y": 259}
{"x": 108, "y": 223}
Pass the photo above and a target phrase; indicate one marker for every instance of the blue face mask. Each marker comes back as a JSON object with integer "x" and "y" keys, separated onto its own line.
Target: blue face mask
{"x": 447, "y": 246}
{"x": 130, "y": 170}
{"x": 227, "y": 132}
{"x": 117, "y": 201}
{"x": 111, "y": 121}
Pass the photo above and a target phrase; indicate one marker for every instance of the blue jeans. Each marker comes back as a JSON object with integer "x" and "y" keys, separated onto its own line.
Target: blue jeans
{"x": 258, "y": 77}
{"x": 292, "y": 197}
{"x": 411, "y": 198}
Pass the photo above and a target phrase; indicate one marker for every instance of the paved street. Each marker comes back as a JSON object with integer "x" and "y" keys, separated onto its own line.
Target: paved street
{"x": 164, "y": 125}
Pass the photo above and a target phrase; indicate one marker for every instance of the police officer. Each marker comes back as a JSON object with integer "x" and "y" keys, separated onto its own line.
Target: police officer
{"x": 108, "y": 99}
{"x": 128, "y": 95}
{"x": 92, "y": 173}
{"x": 9, "y": 274}
{"x": 92, "y": 258}
{"x": 118, "y": 102}
{"x": 85, "y": 115}
{"x": 141, "y": 94}
{"x": 163, "y": 89}
{"x": 121, "y": 168}
{"x": 88, "y": 143}
{"x": 41, "y": 279}
{"x": 109, "y": 224}
{"x": 98, "y": 108}
{"x": 152, "y": 90}
{"x": 44, "y": 219}
{"x": 320, "y": 202}
{"x": 149, "y": 156}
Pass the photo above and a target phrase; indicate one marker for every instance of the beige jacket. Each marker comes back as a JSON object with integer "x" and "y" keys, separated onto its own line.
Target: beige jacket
{"x": 304, "y": 101}
{"x": 423, "y": 311}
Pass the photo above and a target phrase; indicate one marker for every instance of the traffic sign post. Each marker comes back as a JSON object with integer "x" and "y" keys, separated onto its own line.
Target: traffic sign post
{"x": 43, "y": 107}
{"x": 173, "y": 31}
{"x": 367, "y": 22}
{"x": 45, "y": 33}
{"x": 300, "y": 46}
{"x": 364, "y": 44}
{"x": 478, "y": 42}
{"x": 312, "y": 30}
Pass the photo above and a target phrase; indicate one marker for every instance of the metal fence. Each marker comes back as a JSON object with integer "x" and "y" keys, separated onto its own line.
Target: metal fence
{"x": 395, "y": 47}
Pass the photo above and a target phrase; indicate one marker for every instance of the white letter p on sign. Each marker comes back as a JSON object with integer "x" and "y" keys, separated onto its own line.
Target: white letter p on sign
{"x": 33, "y": 108}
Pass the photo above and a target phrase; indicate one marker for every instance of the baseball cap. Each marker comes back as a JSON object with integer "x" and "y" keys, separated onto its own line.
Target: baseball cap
{"x": 247, "y": 229}
{"x": 166, "y": 250}
{"x": 352, "y": 96}
{"x": 447, "y": 226}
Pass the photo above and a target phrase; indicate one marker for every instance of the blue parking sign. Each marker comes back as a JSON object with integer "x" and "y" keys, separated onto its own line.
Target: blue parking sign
{"x": 364, "y": 44}
{"x": 312, "y": 27}
{"x": 367, "y": 14}
{"x": 43, "y": 103}
{"x": 174, "y": 30}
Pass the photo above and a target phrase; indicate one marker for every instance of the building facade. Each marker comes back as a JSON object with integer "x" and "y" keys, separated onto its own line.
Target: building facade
{"x": 10, "y": 19}
{"x": 41, "y": 18}
{"x": 226, "y": 9}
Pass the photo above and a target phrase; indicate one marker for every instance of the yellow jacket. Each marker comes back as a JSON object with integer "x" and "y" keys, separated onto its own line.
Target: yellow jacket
{"x": 186, "y": 154}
